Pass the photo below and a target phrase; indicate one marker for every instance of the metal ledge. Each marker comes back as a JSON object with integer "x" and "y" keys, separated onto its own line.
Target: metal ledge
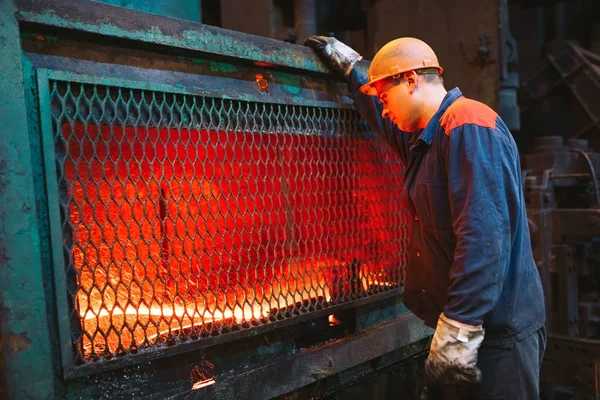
{"x": 156, "y": 352}
{"x": 108, "y": 20}
{"x": 284, "y": 376}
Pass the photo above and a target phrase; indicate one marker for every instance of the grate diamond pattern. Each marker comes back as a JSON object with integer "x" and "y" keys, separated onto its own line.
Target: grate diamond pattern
{"x": 185, "y": 217}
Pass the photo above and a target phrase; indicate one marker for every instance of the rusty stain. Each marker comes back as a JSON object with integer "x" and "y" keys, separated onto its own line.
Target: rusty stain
{"x": 17, "y": 342}
{"x": 263, "y": 64}
{"x": 263, "y": 84}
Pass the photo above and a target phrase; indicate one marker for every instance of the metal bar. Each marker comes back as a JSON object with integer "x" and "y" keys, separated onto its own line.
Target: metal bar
{"x": 587, "y": 110}
{"x": 567, "y": 292}
{"x": 27, "y": 348}
{"x": 584, "y": 53}
{"x": 158, "y": 352}
{"x": 341, "y": 102}
{"x": 542, "y": 248}
{"x": 91, "y": 17}
{"x": 588, "y": 127}
{"x": 556, "y": 84}
{"x": 313, "y": 365}
{"x": 305, "y": 19}
{"x": 55, "y": 224}
{"x": 3, "y": 388}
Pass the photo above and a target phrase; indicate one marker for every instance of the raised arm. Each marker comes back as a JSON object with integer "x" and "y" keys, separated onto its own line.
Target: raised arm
{"x": 342, "y": 59}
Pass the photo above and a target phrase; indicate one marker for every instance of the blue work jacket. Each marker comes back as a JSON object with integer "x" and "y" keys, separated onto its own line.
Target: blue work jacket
{"x": 470, "y": 253}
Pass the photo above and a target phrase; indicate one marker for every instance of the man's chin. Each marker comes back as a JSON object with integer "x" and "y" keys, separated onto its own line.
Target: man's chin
{"x": 402, "y": 127}
{"x": 406, "y": 128}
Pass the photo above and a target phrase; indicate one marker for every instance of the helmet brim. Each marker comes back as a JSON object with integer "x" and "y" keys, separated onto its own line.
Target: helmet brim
{"x": 369, "y": 87}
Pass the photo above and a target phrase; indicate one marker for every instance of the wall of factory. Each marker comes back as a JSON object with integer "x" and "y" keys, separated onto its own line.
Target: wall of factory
{"x": 454, "y": 31}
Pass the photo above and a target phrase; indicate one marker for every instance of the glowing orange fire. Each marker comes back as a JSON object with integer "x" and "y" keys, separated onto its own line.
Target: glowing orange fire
{"x": 179, "y": 233}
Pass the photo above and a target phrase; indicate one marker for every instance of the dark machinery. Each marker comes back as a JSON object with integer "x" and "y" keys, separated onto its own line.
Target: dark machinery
{"x": 560, "y": 113}
{"x": 563, "y": 197}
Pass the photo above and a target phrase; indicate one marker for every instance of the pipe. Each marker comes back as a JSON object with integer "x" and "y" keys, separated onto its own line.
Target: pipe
{"x": 305, "y": 19}
{"x": 558, "y": 19}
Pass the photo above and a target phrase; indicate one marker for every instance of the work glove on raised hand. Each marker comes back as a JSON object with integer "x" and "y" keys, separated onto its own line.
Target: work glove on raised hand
{"x": 336, "y": 54}
{"x": 453, "y": 354}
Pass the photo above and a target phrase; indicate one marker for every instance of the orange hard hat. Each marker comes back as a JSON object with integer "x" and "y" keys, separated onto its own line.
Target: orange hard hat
{"x": 399, "y": 56}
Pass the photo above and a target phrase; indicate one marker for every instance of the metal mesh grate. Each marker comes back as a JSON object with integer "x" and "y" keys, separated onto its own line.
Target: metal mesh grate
{"x": 185, "y": 217}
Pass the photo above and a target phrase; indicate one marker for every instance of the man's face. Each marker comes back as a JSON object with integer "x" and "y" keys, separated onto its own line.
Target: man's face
{"x": 396, "y": 97}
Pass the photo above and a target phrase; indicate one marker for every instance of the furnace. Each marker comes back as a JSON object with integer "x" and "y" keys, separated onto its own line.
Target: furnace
{"x": 185, "y": 217}
{"x": 215, "y": 220}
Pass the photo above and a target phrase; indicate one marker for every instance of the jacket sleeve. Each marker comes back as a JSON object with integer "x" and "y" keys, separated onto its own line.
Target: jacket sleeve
{"x": 370, "y": 108}
{"x": 482, "y": 174}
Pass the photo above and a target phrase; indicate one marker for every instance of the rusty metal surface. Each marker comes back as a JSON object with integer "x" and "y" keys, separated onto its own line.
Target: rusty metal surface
{"x": 266, "y": 365}
{"x": 313, "y": 365}
{"x": 101, "y": 19}
{"x": 182, "y": 72}
{"x": 371, "y": 381}
{"x": 26, "y": 346}
{"x": 574, "y": 363}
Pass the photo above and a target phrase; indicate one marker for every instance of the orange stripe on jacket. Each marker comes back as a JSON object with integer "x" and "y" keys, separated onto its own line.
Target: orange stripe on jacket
{"x": 466, "y": 111}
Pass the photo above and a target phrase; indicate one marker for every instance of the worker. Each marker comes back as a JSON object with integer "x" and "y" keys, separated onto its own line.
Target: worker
{"x": 470, "y": 272}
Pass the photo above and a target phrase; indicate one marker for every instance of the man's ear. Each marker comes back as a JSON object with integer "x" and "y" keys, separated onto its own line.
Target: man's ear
{"x": 411, "y": 80}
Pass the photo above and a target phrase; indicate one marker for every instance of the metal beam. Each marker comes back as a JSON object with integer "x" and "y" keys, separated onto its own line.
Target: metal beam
{"x": 283, "y": 376}
{"x": 98, "y": 18}
{"x": 23, "y": 307}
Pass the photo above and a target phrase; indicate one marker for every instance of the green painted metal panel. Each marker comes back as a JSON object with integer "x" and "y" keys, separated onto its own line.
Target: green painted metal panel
{"x": 343, "y": 102}
{"x": 184, "y": 35}
{"x": 185, "y": 9}
{"x": 27, "y": 348}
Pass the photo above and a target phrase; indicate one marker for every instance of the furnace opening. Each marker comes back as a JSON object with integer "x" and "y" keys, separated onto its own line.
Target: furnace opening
{"x": 186, "y": 217}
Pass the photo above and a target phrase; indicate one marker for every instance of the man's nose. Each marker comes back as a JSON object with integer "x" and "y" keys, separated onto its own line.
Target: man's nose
{"x": 385, "y": 113}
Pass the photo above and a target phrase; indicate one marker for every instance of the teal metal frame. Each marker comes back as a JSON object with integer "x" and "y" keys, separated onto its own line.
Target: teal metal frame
{"x": 26, "y": 318}
{"x": 56, "y": 235}
{"x": 69, "y": 369}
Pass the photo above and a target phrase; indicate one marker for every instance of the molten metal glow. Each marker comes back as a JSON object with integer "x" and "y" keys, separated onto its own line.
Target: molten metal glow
{"x": 200, "y": 385}
{"x": 178, "y": 234}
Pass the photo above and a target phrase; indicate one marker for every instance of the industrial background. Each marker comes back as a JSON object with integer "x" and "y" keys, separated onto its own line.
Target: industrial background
{"x": 191, "y": 208}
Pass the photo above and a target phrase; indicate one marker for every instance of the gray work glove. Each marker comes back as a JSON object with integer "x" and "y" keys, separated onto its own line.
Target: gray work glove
{"x": 336, "y": 54}
{"x": 453, "y": 354}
